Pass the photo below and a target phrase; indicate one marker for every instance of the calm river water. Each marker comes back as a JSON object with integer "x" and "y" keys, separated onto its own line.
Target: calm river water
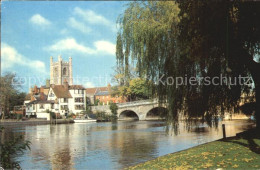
{"x": 108, "y": 145}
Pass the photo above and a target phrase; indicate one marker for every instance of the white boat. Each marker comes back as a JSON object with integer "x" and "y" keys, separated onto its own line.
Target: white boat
{"x": 84, "y": 120}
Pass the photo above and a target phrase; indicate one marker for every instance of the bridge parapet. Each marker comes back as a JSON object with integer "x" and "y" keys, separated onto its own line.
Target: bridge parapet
{"x": 137, "y": 103}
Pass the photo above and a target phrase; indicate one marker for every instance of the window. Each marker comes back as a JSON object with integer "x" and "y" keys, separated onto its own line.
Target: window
{"x": 52, "y": 106}
{"x": 79, "y": 99}
{"x": 76, "y": 91}
{"x": 64, "y": 107}
{"x": 33, "y": 107}
{"x": 51, "y": 94}
{"x": 41, "y": 106}
{"x": 64, "y": 100}
{"x": 64, "y": 71}
{"x": 79, "y": 107}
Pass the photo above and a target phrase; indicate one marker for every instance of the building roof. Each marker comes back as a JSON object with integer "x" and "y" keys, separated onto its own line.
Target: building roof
{"x": 95, "y": 90}
{"x": 40, "y": 96}
{"x": 79, "y": 87}
{"x": 91, "y": 90}
{"x": 41, "y": 101}
{"x": 61, "y": 91}
{"x": 102, "y": 93}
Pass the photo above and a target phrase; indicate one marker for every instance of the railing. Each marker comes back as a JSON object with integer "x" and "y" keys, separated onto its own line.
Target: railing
{"x": 139, "y": 102}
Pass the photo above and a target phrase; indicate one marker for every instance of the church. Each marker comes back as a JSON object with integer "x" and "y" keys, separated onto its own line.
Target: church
{"x": 59, "y": 95}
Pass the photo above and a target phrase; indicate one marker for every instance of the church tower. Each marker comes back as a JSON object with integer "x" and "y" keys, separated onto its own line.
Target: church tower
{"x": 61, "y": 70}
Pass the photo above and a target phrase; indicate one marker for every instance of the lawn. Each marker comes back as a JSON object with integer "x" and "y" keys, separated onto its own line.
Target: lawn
{"x": 241, "y": 153}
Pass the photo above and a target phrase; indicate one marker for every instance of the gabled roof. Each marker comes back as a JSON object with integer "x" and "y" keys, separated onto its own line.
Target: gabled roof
{"x": 61, "y": 91}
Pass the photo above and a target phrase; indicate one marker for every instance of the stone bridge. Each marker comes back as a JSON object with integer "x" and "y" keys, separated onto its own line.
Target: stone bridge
{"x": 141, "y": 110}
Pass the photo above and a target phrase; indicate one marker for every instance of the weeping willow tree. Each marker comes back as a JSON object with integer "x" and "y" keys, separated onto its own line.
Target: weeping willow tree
{"x": 189, "y": 44}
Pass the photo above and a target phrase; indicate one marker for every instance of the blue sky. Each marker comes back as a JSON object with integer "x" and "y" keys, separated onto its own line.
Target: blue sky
{"x": 34, "y": 31}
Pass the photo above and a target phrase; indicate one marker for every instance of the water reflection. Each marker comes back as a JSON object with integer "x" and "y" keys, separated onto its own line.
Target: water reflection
{"x": 109, "y": 145}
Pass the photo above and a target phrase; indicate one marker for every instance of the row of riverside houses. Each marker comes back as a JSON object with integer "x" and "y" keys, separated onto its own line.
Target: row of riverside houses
{"x": 59, "y": 95}
{"x": 102, "y": 96}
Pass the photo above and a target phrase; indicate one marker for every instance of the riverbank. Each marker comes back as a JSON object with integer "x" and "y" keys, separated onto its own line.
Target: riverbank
{"x": 242, "y": 152}
{"x": 34, "y": 122}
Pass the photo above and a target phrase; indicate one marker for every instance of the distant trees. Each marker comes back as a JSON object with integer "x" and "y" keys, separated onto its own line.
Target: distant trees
{"x": 136, "y": 89}
{"x": 9, "y": 93}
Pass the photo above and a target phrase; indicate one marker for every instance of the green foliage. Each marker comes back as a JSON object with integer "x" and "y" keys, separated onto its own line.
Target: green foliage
{"x": 113, "y": 107}
{"x": 192, "y": 39}
{"x": 10, "y": 148}
{"x": 53, "y": 115}
{"x": 96, "y": 102}
{"x": 103, "y": 116}
{"x": 9, "y": 94}
{"x": 19, "y": 116}
{"x": 71, "y": 115}
{"x": 137, "y": 89}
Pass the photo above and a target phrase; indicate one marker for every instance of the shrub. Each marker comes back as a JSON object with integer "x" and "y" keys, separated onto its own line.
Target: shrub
{"x": 113, "y": 107}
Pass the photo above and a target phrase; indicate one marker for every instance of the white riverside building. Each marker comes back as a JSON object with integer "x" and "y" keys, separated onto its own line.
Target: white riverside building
{"x": 62, "y": 98}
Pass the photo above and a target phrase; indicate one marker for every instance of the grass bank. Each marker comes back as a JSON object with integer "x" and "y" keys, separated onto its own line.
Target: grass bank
{"x": 236, "y": 152}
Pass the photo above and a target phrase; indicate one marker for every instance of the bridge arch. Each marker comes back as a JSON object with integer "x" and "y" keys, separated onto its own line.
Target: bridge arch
{"x": 128, "y": 114}
{"x": 157, "y": 112}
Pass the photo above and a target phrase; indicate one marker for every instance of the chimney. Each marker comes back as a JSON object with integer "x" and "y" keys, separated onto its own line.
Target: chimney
{"x": 41, "y": 89}
{"x": 35, "y": 89}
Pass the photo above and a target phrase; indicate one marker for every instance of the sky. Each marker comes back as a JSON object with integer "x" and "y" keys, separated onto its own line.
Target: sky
{"x": 33, "y": 31}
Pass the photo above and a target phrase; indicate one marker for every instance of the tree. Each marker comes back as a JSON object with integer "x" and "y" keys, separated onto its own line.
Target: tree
{"x": 10, "y": 148}
{"x": 113, "y": 108}
{"x": 194, "y": 39}
{"x": 136, "y": 89}
{"x": 9, "y": 94}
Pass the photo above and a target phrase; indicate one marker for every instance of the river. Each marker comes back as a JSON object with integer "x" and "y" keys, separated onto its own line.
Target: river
{"x": 109, "y": 145}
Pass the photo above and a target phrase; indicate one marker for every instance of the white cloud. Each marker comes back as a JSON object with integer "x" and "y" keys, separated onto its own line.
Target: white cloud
{"x": 105, "y": 46}
{"x": 11, "y": 58}
{"x": 39, "y": 20}
{"x": 89, "y": 84}
{"x": 70, "y": 44}
{"x": 93, "y": 18}
{"x": 72, "y": 22}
